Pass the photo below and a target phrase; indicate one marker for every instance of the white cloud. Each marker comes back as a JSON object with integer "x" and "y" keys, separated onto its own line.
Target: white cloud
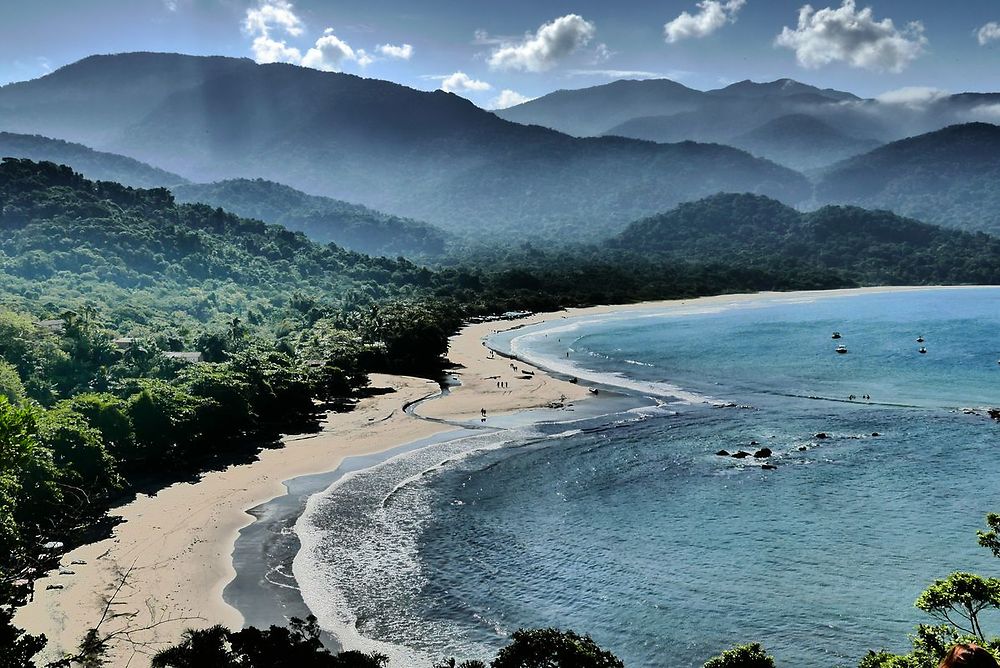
{"x": 482, "y": 38}
{"x": 602, "y": 54}
{"x": 462, "y": 82}
{"x": 270, "y": 17}
{"x": 711, "y": 16}
{"x": 988, "y": 33}
{"x": 912, "y": 96}
{"x": 272, "y": 14}
{"x": 989, "y": 113}
{"x": 615, "y": 74}
{"x": 550, "y": 43}
{"x": 403, "y": 52}
{"x": 509, "y": 98}
{"x": 854, "y": 37}
{"x": 267, "y": 50}
{"x": 329, "y": 53}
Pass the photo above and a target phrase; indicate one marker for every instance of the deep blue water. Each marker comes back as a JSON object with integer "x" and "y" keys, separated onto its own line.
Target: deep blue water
{"x": 631, "y": 529}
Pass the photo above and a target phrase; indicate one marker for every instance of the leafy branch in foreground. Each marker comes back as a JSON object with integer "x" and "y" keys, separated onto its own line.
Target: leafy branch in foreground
{"x": 751, "y": 655}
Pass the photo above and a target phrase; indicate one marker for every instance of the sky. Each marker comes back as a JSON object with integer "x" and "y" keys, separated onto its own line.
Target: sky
{"x": 500, "y": 52}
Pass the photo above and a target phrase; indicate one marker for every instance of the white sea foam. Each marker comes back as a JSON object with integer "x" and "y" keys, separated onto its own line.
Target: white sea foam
{"x": 521, "y": 347}
{"x": 383, "y": 542}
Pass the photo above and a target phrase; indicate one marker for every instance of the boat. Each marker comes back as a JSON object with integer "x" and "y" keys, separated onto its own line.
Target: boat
{"x": 920, "y": 339}
{"x": 922, "y": 350}
{"x": 836, "y": 335}
{"x": 841, "y": 349}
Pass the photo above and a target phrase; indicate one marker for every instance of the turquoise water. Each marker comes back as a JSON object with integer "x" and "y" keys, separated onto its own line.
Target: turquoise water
{"x": 631, "y": 529}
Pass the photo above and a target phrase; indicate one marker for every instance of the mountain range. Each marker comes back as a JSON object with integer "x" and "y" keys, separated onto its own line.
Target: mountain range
{"x": 665, "y": 111}
{"x": 428, "y": 155}
{"x": 165, "y": 119}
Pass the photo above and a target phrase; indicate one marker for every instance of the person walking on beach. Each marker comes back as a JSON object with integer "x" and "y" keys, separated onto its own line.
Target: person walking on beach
{"x": 968, "y": 656}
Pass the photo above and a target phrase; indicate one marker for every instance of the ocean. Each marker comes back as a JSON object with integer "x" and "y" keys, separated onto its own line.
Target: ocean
{"x": 629, "y": 527}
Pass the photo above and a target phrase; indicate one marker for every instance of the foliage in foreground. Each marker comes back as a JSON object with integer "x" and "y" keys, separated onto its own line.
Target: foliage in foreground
{"x": 956, "y": 602}
{"x": 295, "y": 646}
{"x": 299, "y": 646}
{"x": 742, "y": 656}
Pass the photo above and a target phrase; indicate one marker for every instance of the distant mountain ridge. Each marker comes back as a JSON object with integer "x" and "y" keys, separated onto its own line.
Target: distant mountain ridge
{"x": 802, "y": 142}
{"x": 322, "y": 219}
{"x": 726, "y": 115}
{"x": 428, "y": 155}
{"x": 95, "y": 165}
{"x": 949, "y": 177}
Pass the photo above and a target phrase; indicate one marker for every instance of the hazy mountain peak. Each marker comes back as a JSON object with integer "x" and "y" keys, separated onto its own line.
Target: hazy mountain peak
{"x": 779, "y": 87}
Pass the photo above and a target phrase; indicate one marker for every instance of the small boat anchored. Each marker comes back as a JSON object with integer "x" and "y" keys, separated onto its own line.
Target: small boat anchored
{"x": 920, "y": 339}
{"x": 841, "y": 349}
{"x": 835, "y": 335}
{"x": 922, "y": 351}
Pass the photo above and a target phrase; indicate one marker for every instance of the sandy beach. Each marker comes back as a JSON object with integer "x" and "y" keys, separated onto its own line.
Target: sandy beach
{"x": 178, "y": 543}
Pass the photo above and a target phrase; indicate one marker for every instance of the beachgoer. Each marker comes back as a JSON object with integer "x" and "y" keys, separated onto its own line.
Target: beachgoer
{"x": 968, "y": 655}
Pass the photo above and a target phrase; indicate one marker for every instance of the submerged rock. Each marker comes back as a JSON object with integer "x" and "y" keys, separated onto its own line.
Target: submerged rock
{"x": 763, "y": 453}
{"x": 802, "y": 448}
{"x": 722, "y": 453}
{"x": 820, "y": 435}
{"x": 768, "y": 467}
{"x": 740, "y": 455}
{"x": 875, "y": 433}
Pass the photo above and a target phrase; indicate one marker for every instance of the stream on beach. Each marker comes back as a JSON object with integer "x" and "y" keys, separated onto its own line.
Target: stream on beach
{"x": 631, "y": 528}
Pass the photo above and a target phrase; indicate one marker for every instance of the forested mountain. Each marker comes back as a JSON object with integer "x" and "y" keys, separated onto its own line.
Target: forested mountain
{"x": 874, "y": 246}
{"x": 801, "y": 142}
{"x": 144, "y": 259}
{"x": 93, "y": 164}
{"x": 322, "y": 219}
{"x": 430, "y": 155}
{"x": 948, "y": 177}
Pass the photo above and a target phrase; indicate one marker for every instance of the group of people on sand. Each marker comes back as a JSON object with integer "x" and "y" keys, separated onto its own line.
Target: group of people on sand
{"x": 968, "y": 655}
{"x": 866, "y": 397}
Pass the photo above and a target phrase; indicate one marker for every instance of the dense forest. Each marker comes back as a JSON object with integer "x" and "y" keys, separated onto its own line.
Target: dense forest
{"x": 871, "y": 247}
{"x": 947, "y": 177}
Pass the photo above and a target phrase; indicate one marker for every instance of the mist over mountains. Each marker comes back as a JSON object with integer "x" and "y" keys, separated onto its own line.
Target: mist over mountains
{"x": 148, "y": 119}
{"x": 432, "y": 156}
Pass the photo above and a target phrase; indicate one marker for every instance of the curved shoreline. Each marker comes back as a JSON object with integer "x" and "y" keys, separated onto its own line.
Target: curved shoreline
{"x": 179, "y": 543}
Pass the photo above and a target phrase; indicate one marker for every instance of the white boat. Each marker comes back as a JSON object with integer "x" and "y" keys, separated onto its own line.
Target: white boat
{"x": 922, "y": 350}
{"x": 842, "y": 349}
{"x": 920, "y": 339}
{"x": 835, "y": 335}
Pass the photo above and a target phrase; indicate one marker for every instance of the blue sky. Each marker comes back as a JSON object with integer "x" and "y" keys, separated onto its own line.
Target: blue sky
{"x": 497, "y": 52}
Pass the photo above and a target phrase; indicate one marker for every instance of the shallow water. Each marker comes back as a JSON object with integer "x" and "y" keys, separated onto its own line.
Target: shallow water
{"x": 631, "y": 529}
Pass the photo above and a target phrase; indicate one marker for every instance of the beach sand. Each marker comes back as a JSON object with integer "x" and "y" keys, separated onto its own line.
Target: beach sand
{"x": 178, "y": 543}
